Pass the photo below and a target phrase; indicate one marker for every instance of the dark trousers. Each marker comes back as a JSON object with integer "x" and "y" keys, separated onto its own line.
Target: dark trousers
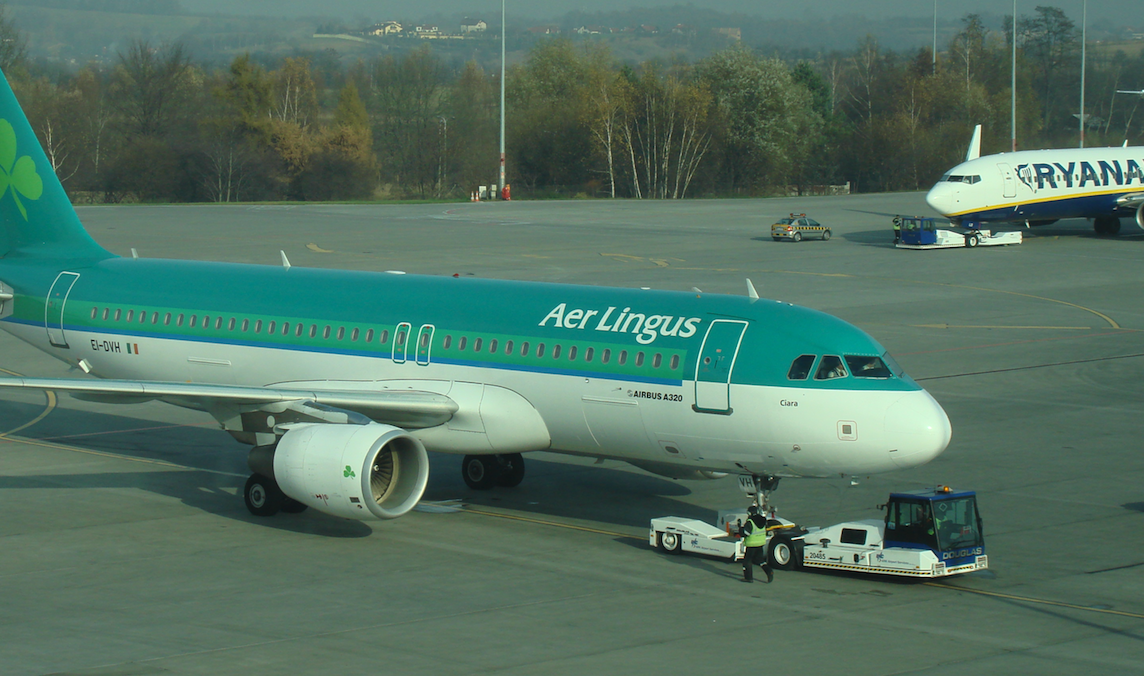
{"x": 752, "y": 557}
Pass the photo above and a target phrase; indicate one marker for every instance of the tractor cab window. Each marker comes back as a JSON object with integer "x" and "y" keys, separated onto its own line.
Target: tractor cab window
{"x": 830, "y": 367}
{"x": 957, "y": 523}
{"x": 910, "y": 522}
{"x": 867, "y": 367}
{"x": 800, "y": 368}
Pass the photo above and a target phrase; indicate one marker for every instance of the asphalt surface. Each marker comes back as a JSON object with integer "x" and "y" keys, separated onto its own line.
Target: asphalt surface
{"x": 126, "y": 548}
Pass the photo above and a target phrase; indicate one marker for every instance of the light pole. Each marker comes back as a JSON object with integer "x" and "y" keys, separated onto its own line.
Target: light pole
{"x": 1083, "y": 45}
{"x": 1013, "y": 85}
{"x": 934, "y": 53}
{"x": 500, "y": 186}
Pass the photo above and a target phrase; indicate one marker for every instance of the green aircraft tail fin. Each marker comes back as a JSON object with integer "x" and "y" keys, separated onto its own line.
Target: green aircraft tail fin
{"x": 36, "y": 216}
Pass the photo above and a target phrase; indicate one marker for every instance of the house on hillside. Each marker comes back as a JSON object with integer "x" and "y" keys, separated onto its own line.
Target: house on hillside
{"x": 733, "y": 34}
{"x": 384, "y": 28}
{"x": 473, "y": 26}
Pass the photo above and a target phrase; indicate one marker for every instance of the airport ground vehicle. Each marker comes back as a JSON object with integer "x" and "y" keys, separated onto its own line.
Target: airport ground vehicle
{"x": 797, "y": 226}
{"x": 929, "y": 533}
{"x": 923, "y": 233}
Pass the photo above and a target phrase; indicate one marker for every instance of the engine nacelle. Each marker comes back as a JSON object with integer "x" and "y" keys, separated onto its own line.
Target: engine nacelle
{"x": 1140, "y": 216}
{"x": 354, "y": 471}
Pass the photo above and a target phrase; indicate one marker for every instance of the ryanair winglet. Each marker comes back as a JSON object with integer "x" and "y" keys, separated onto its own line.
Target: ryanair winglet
{"x": 36, "y": 216}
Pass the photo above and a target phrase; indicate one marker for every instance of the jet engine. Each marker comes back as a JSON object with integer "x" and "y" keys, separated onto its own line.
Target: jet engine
{"x": 354, "y": 471}
{"x": 1140, "y": 216}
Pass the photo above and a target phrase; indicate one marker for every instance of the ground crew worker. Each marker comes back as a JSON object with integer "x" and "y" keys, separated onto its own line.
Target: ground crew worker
{"x": 754, "y": 533}
{"x": 897, "y": 229}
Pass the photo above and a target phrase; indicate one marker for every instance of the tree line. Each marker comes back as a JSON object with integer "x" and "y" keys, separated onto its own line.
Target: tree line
{"x": 156, "y": 126}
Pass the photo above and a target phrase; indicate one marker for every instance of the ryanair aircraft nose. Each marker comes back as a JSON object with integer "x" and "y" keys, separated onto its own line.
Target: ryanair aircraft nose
{"x": 917, "y": 429}
{"x": 942, "y": 198}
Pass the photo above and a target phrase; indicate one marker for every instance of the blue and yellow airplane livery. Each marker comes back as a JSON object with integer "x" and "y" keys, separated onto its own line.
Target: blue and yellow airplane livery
{"x": 342, "y": 381}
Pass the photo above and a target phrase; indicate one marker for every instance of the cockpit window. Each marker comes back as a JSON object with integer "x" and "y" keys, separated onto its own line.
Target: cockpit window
{"x": 830, "y": 367}
{"x": 954, "y": 178}
{"x": 800, "y": 368}
{"x": 867, "y": 367}
{"x": 893, "y": 365}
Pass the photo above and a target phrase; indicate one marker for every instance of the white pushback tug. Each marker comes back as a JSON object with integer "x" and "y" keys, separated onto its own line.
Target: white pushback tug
{"x": 923, "y": 233}
{"x": 929, "y": 533}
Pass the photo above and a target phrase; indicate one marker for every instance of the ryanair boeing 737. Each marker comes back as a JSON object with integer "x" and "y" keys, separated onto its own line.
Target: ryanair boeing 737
{"x": 341, "y": 381}
{"x": 1037, "y": 187}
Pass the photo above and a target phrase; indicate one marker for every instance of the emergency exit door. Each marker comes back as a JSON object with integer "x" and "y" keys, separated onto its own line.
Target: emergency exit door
{"x": 715, "y": 364}
{"x": 54, "y": 308}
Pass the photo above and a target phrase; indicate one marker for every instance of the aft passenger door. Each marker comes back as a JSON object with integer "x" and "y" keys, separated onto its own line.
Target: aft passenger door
{"x": 54, "y": 308}
{"x": 715, "y": 364}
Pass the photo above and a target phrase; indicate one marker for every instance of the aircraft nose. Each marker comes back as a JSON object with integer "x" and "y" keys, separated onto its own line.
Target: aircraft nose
{"x": 941, "y": 199}
{"x": 917, "y": 429}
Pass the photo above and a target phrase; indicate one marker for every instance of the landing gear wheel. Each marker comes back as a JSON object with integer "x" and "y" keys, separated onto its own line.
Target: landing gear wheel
{"x": 797, "y": 236}
{"x": 972, "y": 240}
{"x": 783, "y": 554}
{"x": 825, "y": 235}
{"x": 1106, "y": 225}
{"x": 262, "y": 496}
{"x": 481, "y": 472}
{"x": 670, "y": 542}
{"x": 511, "y": 470}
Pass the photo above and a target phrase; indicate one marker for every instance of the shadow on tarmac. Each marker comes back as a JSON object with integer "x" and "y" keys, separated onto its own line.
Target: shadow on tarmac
{"x": 217, "y": 471}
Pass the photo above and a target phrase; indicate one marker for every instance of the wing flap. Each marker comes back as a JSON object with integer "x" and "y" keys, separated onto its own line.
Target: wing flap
{"x": 403, "y": 408}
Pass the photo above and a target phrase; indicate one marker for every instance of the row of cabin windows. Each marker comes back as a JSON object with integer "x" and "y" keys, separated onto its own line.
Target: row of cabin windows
{"x": 526, "y": 349}
{"x": 832, "y": 366}
{"x": 355, "y": 334}
{"x": 232, "y": 323}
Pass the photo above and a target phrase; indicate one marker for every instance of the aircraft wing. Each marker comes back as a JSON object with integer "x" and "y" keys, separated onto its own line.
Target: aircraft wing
{"x": 403, "y": 408}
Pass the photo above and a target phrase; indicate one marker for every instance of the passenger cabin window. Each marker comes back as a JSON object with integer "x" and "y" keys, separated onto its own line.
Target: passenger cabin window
{"x": 508, "y": 347}
{"x": 245, "y": 325}
{"x": 606, "y": 356}
{"x": 572, "y": 353}
{"x": 130, "y": 315}
{"x": 477, "y": 342}
{"x": 447, "y": 342}
{"x": 800, "y": 367}
{"x": 106, "y": 311}
{"x": 369, "y": 336}
{"x": 830, "y": 367}
{"x": 674, "y": 362}
{"x": 556, "y": 351}
{"x": 462, "y": 343}
{"x": 639, "y": 359}
{"x": 656, "y": 360}
{"x": 867, "y": 367}
{"x": 524, "y": 349}
{"x": 493, "y": 345}
{"x": 229, "y": 324}
{"x": 589, "y": 353}
{"x": 540, "y": 350}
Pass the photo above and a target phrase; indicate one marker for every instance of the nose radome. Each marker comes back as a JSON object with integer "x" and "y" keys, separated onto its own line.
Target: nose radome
{"x": 940, "y": 199}
{"x": 917, "y": 429}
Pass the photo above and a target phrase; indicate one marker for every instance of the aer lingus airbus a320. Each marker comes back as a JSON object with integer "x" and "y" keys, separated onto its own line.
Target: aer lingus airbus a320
{"x": 341, "y": 381}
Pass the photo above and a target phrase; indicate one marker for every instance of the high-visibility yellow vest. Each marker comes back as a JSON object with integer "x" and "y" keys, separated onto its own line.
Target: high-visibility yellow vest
{"x": 758, "y": 535}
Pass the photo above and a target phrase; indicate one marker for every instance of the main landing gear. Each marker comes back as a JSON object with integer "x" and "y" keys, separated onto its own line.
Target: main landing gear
{"x": 482, "y": 472}
{"x": 1106, "y": 225}
{"x": 263, "y": 497}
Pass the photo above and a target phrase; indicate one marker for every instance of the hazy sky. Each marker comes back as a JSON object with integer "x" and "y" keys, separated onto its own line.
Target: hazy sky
{"x": 784, "y": 9}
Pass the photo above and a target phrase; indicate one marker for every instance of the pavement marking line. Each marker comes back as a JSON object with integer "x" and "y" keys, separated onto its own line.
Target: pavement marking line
{"x": 52, "y": 401}
{"x": 113, "y": 456}
{"x": 317, "y": 249}
{"x": 553, "y": 523}
{"x": 985, "y": 326}
{"x": 1013, "y": 597}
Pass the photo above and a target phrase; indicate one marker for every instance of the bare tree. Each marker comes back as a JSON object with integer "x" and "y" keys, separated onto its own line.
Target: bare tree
{"x": 147, "y": 85}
